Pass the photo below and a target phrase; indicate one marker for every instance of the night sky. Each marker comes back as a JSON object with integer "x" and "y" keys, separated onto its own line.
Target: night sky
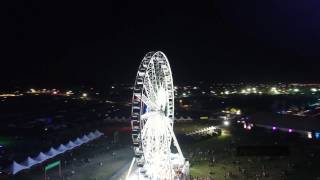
{"x": 64, "y": 43}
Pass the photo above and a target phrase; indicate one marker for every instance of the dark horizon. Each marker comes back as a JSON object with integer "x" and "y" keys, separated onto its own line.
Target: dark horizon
{"x": 97, "y": 44}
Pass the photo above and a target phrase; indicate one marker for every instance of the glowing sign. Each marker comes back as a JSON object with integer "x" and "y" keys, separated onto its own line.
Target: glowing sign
{"x": 204, "y": 117}
{"x": 52, "y": 165}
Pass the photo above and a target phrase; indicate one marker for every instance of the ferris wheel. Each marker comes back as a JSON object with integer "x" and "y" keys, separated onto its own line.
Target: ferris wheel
{"x": 157, "y": 152}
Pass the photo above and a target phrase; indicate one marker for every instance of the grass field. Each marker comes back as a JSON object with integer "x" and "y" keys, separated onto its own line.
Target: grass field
{"x": 6, "y": 141}
{"x": 296, "y": 165}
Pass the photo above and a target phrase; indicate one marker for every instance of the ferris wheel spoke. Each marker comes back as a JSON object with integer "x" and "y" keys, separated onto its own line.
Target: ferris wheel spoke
{"x": 149, "y": 88}
{"x": 154, "y": 75}
{"x": 149, "y": 114}
{"x": 151, "y": 105}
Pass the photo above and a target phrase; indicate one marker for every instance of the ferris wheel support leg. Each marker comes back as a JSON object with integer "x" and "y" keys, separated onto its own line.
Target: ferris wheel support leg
{"x": 175, "y": 142}
{"x": 130, "y": 168}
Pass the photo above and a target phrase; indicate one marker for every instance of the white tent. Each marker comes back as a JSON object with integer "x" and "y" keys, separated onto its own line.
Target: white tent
{"x": 70, "y": 145}
{"x": 62, "y": 148}
{"x": 52, "y": 152}
{"x": 41, "y": 157}
{"x": 85, "y": 138}
{"x": 16, "y": 167}
{"x": 91, "y": 136}
{"x": 78, "y": 142}
{"x": 29, "y": 162}
{"x": 98, "y": 133}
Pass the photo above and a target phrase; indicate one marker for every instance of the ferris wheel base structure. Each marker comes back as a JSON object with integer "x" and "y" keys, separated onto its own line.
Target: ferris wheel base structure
{"x": 137, "y": 173}
{"x": 157, "y": 152}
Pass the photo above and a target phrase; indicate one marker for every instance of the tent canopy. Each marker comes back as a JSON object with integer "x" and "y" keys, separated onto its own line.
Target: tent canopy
{"x": 78, "y": 142}
{"x": 52, "y": 152}
{"x": 70, "y": 145}
{"x": 29, "y": 162}
{"x": 91, "y": 136}
{"x": 16, "y": 167}
{"x": 41, "y": 157}
{"x": 62, "y": 148}
{"x": 85, "y": 138}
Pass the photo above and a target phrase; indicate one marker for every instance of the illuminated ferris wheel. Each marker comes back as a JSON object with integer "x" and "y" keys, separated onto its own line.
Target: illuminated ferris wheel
{"x": 157, "y": 152}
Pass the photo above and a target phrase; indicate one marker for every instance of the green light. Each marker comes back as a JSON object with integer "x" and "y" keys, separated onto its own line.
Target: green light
{"x": 52, "y": 165}
{"x": 5, "y": 141}
{"x": 204, "y": 117}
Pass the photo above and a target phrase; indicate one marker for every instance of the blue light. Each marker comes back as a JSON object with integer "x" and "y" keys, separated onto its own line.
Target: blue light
{"x": 317, "y": 135}
{"x": 145, "y": 108}
{"x": 49, "y": 120}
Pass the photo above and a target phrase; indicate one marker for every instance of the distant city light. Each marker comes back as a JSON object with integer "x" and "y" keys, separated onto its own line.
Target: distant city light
{"x": 226, "y": 123}
{"x": 32, "y": 90}
{"x": 274, "y": 90}
{"x": 69, "y": 92}
{"x": 274, "y": 128}
{"x": 7, "y": 95}
{"x": 290, "y": 130}
{"x": 84, "y": 94}
{"x": 309, "y": 135}
{"x": 238, "y": 112}
{"x": 296, "y": 90}
{"x": 313, "y": 90}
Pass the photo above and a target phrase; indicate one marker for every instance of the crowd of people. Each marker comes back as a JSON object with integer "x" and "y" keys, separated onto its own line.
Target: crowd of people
{"x": 222, "y": 161}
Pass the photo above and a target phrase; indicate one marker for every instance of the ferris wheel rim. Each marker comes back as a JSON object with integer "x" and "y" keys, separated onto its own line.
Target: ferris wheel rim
{"x": 146, "y": 76}
{"x": 149, "y": 95}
